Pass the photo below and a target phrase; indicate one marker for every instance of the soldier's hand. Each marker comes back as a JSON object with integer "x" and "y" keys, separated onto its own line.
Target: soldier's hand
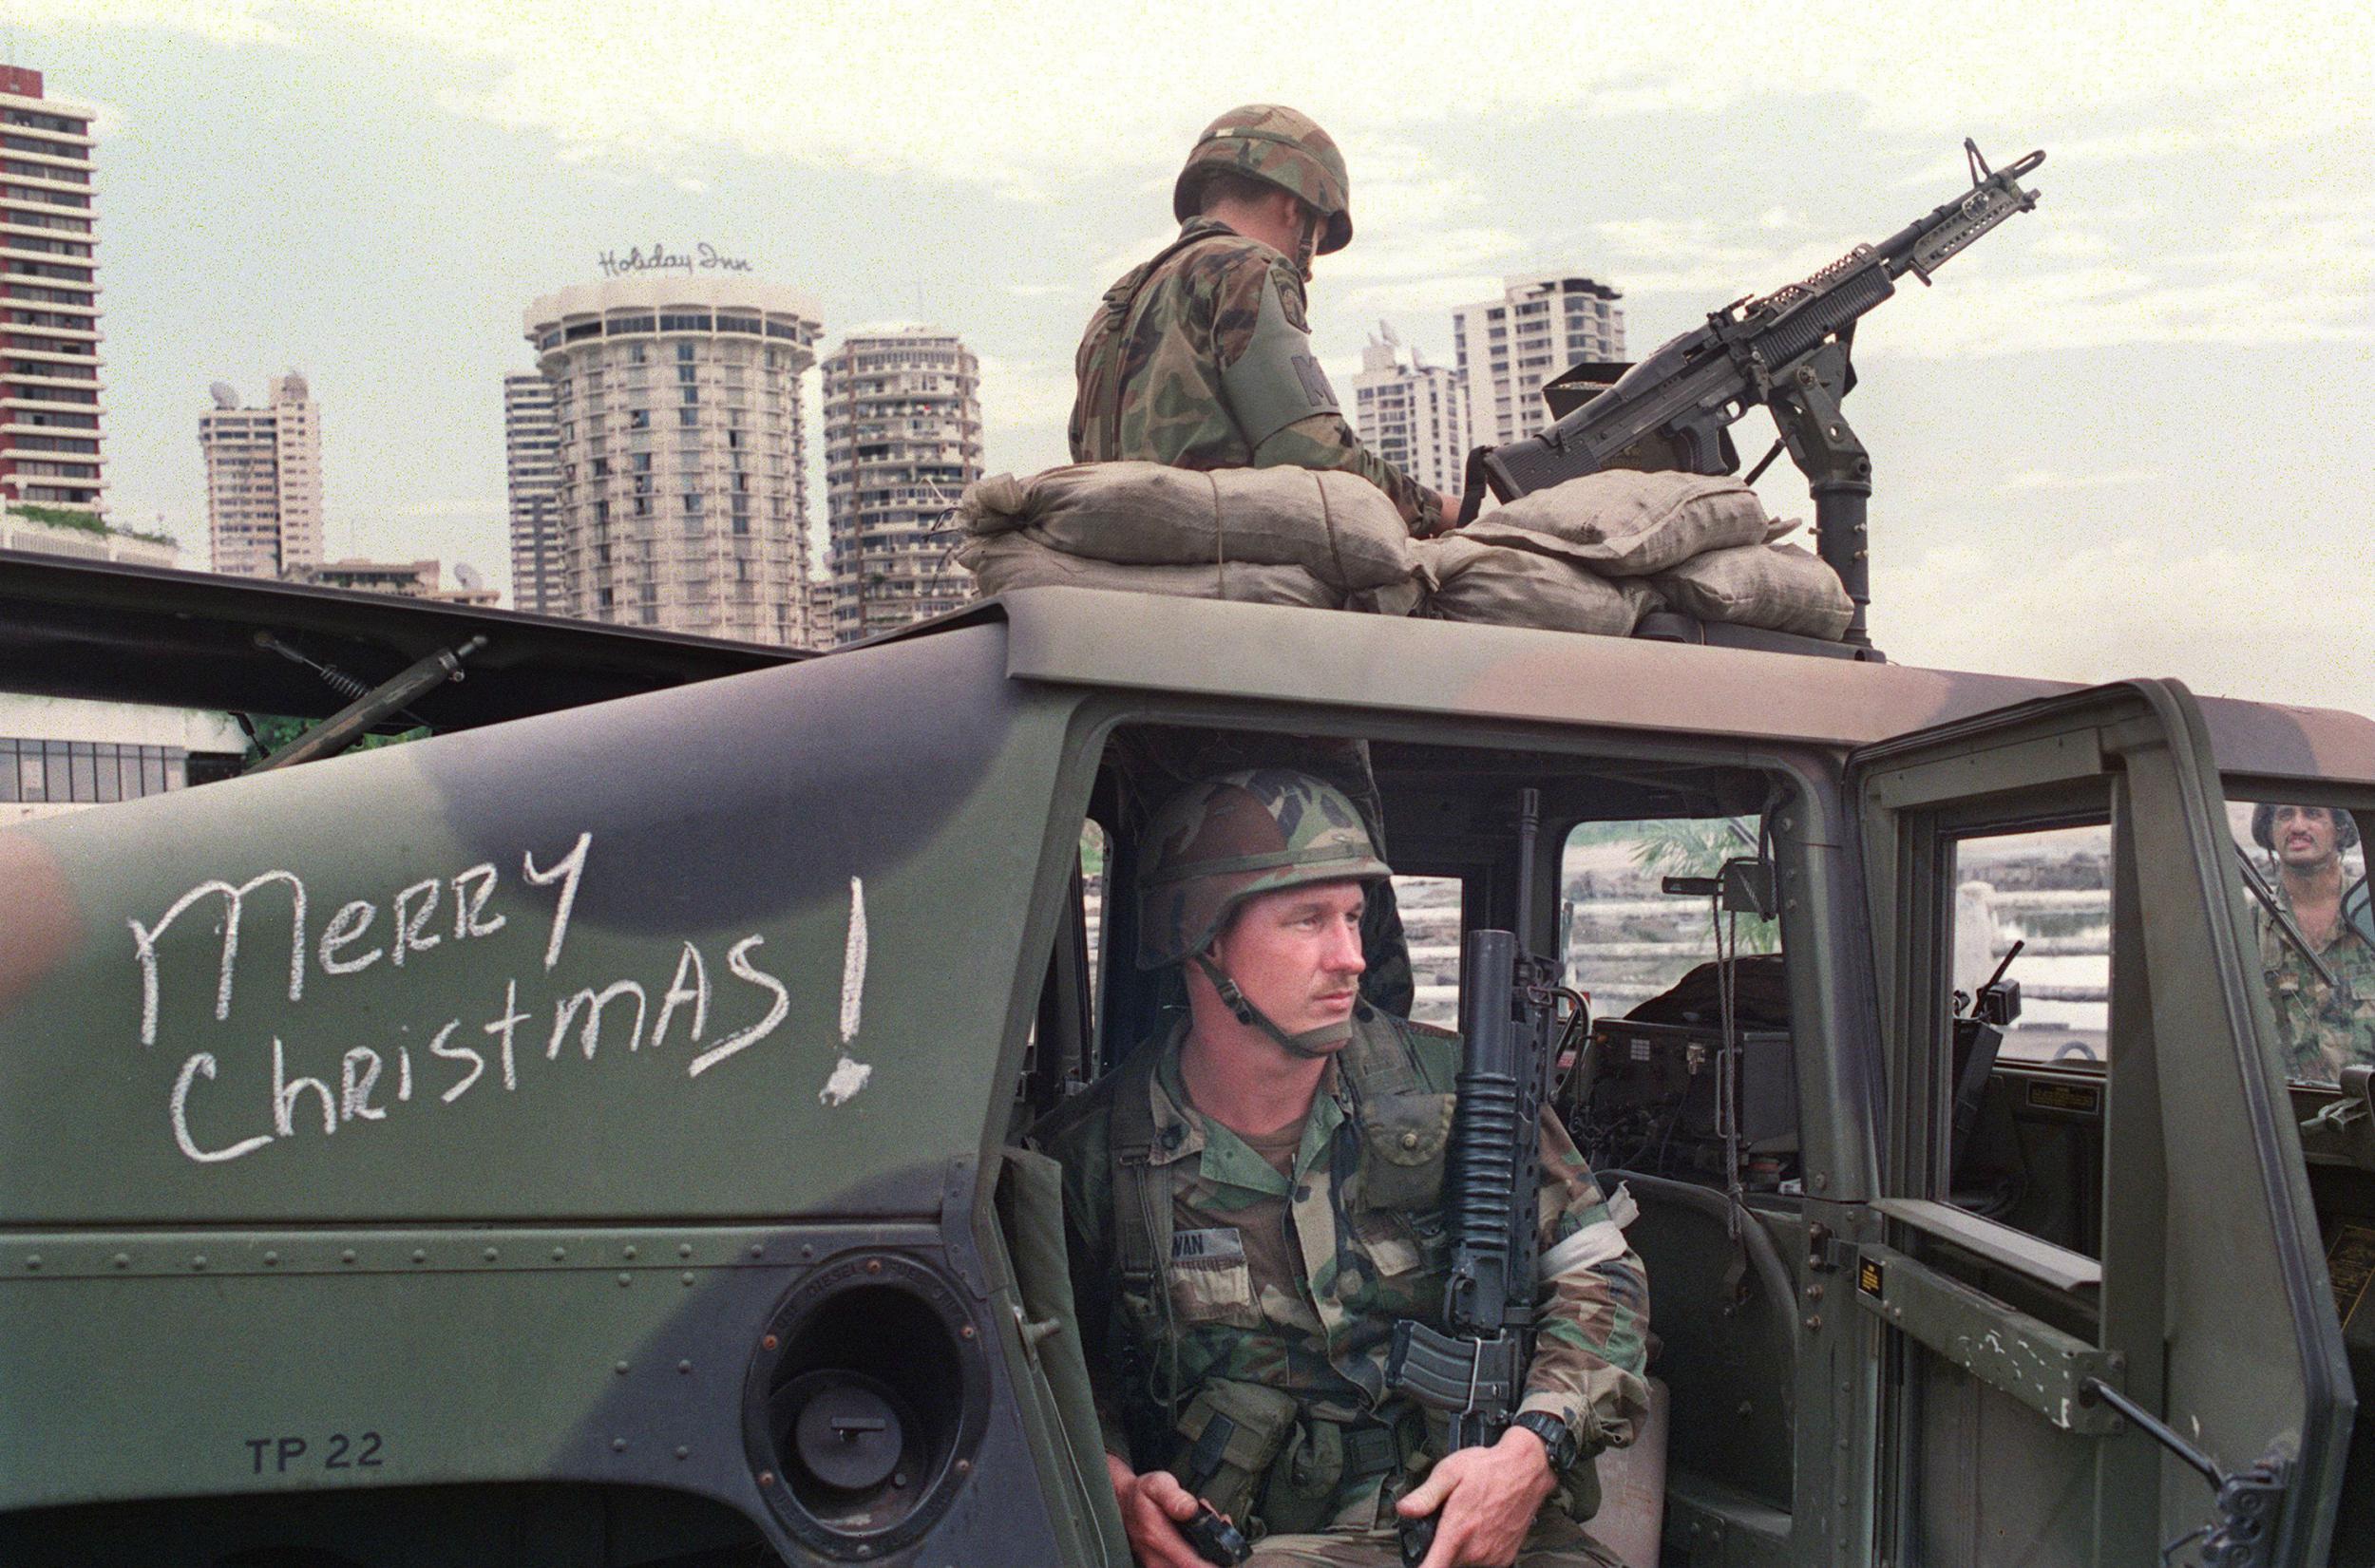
{"x": 1153, "y": 1506}
{"x": 1448, "y": 506}
{"x": 1487, "y": 1497}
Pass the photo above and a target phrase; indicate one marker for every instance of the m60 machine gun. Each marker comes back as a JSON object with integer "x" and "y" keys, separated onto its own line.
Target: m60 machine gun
{"x": 1787, "y": 351}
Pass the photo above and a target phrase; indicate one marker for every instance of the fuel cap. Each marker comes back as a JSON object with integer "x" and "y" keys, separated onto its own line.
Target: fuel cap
{"x": 849, "y": 1437}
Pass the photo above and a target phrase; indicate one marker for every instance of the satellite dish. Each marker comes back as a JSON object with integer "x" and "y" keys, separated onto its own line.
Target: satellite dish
{"x": 225, "y": 395}
{"x": 468, "y": 576}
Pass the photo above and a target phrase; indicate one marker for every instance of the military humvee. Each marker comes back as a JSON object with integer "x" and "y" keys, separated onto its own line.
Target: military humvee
{"x": 585, "y": 1139}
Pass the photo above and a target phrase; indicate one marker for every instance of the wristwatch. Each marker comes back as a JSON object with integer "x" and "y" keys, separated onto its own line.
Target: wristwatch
{"x": 1558, "y": 1442}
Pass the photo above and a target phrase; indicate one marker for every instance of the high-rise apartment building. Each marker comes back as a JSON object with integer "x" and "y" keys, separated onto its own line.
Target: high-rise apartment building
{"x": 49, "y": 386}
{"x": 683, "y": 497}
{"x": 532, "y": 472}
{"x": 1539, "y": 327}
{"x": 264, "y": 481}
{"x": 1411, "y": 413}
{"x": 903, "y": 438}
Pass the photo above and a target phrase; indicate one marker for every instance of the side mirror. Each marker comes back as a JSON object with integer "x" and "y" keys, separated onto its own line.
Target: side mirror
{"x": 1744, "y": 885}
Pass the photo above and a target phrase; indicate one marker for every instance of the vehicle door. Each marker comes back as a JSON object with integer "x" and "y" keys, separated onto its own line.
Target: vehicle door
{"x": 2142, "y": 1356}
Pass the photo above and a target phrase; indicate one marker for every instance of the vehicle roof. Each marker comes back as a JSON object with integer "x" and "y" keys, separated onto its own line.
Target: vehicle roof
{"x": 1141, "y": 642}
{"x": 118, "y": 632}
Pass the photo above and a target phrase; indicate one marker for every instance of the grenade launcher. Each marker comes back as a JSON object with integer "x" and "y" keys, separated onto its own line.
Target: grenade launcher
{"x": 1474, "y": 1373}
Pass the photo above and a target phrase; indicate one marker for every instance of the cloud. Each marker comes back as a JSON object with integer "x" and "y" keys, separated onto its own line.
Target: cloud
{"x": 2135, "y": 607}
{"x": 1026, "y": 108}
{"x": 2046, "y": 479}
{"x": 217, "y": 21}
{"x": 1026, "y": 391}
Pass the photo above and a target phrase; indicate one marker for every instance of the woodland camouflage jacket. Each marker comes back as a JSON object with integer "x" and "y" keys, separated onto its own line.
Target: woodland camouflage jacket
{"x": 1366, "y": 1243}
{"x": 1162, "y": 373}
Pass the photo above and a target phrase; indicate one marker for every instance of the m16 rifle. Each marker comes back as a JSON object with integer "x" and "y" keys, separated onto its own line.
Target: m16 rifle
{"x": 1475, "y": 1370}
{"x": 1786, "y": 351}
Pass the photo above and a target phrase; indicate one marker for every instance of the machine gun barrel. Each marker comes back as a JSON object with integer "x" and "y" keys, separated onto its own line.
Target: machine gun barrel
{"x": 1787, "y": 351}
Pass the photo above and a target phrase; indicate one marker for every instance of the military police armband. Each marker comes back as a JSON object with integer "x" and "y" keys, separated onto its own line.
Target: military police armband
{"x": 1278, "y": 379}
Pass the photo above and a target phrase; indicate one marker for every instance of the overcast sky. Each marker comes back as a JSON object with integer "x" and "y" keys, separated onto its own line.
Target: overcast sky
{"x": 2126, "y": 434}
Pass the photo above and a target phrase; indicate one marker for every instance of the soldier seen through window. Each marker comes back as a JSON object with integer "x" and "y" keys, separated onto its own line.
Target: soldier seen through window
{"x": 2324, "y": 1006}
{"x": 1254, "y": 1198}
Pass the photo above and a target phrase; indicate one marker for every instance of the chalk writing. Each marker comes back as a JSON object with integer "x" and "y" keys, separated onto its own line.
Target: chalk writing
{"x": 849, "y": 1075}
{"x": 415, "y": 910}
{"x": 627, "y": 1013}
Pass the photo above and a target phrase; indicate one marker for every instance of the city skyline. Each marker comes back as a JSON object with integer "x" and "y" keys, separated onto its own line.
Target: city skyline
{"x": 2054, "y": 467}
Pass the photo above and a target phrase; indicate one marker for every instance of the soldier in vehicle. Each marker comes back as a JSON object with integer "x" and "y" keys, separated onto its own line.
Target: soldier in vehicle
{"x": 1254, "y": 1198}
{"x": 2323, "y": 1028}
{"x": 1202, "y": 358}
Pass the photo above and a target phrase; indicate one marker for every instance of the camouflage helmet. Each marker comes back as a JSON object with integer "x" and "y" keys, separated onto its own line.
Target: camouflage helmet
{"x": 2264, "y": 826}
{"x": 1271, "y": 142}
{"x": 1219, "y": 842}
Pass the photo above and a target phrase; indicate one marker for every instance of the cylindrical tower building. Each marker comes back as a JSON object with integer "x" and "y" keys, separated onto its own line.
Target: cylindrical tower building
{"x": 682, "y": 499}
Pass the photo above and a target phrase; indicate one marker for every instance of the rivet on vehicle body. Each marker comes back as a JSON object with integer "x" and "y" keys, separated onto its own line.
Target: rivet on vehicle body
{"x": 420, "y": 1254}
{"x": 964, "y": 1466}
{"x": 199, "y": 1262}
{"x": 619, "y": 1367}
{"x": 628, "y": 1251}
{"x": 124, "y": 1261}
{"x": 683, "y": 1453}
{"x": 33, "y": 1261}
{"x": 684, "y": 1365}
{"x": 686, "y": 1278}
{"x": 1813, "y": 1293}
{"x": 874, "y": 1265}
{"x": 766, "y": 1478}
{"x": 805, "y": 1251}
{"x": 560, "y": 1252}
{"x": 757, "y": 1250}
{"x": 965, "y": 1333}
{"x": 346, "y": 1256}
{"x": 625, "y": 1279}
{"x": 684, "y": 1248}
{"x": 490, "y": 1254}
{"x": 618, "y": 1444}
{"x": 1823, "y": 1180}
{"x": 1815, "y": 1322}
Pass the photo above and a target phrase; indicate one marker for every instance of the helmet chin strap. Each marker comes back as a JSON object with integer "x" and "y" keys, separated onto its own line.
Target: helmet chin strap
{"x": 1311, "y": 1044}
{"x": 1307, "y": 244}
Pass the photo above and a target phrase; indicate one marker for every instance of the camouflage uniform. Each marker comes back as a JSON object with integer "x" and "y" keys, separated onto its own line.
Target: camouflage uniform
{"x": 1363, "y": 1243}
{"x": 2319, "y": 1032}
{"x": 1201, "y": 358}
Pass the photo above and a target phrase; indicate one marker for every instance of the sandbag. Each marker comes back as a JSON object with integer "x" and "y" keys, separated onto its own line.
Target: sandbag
{"x": 1778, "y": 587}
{"x": 1336, "y": 527}
{"x": 1624, "y": 523}
{"x": 1469, "y": 580}
{"x": 1003, "y": 561}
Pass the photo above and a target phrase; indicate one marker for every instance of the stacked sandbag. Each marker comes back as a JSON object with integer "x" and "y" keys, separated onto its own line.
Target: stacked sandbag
{"x": 1204, "y": 529}
{"x": 1778, "y": 587}
{"x": 1627, "y": 524}
{"x": 1001, "y": 562}
{"x": 1467, "y": 579}
{"x": 1703, "y": 542}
